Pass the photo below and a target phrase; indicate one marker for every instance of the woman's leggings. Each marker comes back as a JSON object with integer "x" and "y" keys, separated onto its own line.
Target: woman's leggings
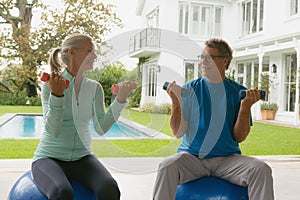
{"x": 52, "y": 177}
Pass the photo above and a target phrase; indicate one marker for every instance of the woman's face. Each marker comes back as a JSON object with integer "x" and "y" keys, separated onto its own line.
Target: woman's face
{"x": 84, "y": 57}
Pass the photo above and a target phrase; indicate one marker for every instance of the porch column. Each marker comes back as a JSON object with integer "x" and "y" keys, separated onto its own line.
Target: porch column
{"x": 260, "y": 66}
{"x": 297, "y": 87}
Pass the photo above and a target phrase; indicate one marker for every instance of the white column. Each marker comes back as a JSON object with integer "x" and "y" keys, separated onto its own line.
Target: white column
{"x": 252, "y": 74}
{"x": 297, "y": 87}
{"x": 260, "y": 66}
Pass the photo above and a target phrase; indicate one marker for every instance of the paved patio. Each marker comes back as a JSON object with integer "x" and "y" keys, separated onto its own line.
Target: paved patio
{"x": 136, "y": 176}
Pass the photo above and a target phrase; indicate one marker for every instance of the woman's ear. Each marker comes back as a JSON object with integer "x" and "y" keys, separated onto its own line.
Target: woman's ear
{"x": 71, "y": 51}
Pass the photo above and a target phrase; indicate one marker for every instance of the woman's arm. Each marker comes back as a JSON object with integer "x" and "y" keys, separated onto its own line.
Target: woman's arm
{"x": 52, "y": 111}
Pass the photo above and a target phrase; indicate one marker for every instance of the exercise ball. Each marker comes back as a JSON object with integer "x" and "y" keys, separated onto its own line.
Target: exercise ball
{"x": 26, "y": 189}
{"x": 209, "y": 188}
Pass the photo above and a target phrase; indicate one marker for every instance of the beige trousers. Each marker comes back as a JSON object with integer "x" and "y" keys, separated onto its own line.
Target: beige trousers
{"x": 238, "y": 169}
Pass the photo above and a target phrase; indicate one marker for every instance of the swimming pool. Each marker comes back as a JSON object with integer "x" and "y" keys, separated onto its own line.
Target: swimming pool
{"x": 31, "y": 126}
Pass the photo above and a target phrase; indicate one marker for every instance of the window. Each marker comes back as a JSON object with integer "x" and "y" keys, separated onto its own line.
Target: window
{"x": 183, "y": 18}
{"x": 200, "y": 20}
{"x": 252, "y": 16}
{"x": 247, "y": 72}
{"x": 151, "y": 79}
{"x": 244, "y": 74}
{"x": 192, "y": 70}
{"x": 294, "y": 7}
{"x": 290, "y": 82}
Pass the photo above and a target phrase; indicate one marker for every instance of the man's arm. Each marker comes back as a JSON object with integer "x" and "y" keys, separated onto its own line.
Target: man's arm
{"x": 242, "y": 126}
{"x": 177, "y": 122}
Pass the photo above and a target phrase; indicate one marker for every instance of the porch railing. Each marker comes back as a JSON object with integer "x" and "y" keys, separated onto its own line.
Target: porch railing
{"x": 149, "y": 37}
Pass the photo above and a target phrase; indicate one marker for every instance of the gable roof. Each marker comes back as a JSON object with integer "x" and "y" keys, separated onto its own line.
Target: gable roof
{"x": 140, "y": 7}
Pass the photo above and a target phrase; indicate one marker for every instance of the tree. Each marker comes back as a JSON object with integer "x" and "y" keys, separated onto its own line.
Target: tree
{"x": 29, "y": 47}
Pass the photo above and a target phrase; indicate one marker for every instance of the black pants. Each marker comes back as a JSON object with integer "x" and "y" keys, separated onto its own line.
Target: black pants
{"x": 52, "y": 177}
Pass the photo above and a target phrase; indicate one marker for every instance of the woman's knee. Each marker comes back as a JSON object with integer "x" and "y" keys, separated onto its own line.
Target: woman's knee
{"x": 62, "y": 192}
{"x": 108, "y": 190}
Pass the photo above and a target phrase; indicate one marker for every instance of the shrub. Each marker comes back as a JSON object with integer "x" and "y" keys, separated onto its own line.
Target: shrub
{"x": 156, "y": 109}
{"x": 135, "y": 98}
{"x": 268, "y": 106}
{"x": 19, "y": 99}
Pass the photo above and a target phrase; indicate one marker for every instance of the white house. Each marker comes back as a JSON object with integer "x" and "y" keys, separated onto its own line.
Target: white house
{"x": 264, "y": 34}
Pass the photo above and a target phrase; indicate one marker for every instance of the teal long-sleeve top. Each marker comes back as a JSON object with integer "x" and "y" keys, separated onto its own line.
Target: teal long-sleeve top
{"x": 66, "y": 135}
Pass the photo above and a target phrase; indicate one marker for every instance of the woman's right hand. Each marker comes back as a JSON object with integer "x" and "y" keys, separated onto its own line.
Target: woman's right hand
{"x": 124, "y": 89}
{"x": 57, "y": 84}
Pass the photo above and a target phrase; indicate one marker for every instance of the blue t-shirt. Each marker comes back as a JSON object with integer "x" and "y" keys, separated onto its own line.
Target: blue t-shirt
{"x": 211, "y": 111}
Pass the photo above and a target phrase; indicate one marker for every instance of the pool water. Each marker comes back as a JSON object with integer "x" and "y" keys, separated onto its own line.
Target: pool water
{"x": 31, "y": 126}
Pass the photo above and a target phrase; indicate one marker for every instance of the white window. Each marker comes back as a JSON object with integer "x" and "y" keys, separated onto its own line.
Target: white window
{"x": 200, "y": 20}
{"x": 290, "y": 82}
{"x": 183, "y": 17}
{"x": 252, "y": 12}
{"x": 247, "y": 72}
{"x": 192, "y": 70}
{"x": 151, "y": 79}
{"x": 294, "y": 7}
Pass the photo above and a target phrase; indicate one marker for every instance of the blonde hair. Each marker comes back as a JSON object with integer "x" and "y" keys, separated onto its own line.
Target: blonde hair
{"x": 71, "y": 41}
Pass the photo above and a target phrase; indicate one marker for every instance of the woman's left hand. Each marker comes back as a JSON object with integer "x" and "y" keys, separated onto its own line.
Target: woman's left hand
{"x": 124, "y": 89}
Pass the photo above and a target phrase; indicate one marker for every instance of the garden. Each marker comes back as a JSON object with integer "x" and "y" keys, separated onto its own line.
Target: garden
{"x": 264, "y": 139}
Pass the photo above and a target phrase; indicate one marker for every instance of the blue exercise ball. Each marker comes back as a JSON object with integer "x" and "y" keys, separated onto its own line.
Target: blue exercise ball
{"x": 26, "y": 189}
{"x": 207, "y": 188}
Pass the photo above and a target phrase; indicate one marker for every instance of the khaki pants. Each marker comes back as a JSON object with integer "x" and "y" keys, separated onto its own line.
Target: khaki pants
{"x": 238, "y": 169}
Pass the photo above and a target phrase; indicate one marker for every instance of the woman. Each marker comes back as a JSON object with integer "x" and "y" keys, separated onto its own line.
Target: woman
{"x": 64, "y": 151}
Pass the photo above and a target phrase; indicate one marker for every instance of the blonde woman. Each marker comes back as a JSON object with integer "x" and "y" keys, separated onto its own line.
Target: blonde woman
{"x": 64, "y": 151}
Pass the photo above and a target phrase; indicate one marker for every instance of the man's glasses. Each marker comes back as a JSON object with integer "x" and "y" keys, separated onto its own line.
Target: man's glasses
{"x": 209, "y": 57}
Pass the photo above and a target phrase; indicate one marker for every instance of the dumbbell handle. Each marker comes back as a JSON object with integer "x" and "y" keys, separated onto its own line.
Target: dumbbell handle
{"x": 115, "y": 87}
{"x": 184, "y": 91}
{"x": 45, "y": 77}
{"x": 262, "y": 94}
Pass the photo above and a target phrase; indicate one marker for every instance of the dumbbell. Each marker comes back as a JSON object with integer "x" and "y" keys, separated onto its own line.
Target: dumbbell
{"x": 262, "y": 94}
{"x": 45, "y": 77}
{"x": 184, "y": 91}
{"x": 115, "y": 87}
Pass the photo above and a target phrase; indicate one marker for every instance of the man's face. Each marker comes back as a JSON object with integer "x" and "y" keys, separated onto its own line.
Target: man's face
{"x": 212, "y": 64}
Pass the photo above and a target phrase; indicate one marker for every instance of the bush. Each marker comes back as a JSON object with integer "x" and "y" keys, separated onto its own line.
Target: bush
{"x": 19, "y": 99}
{"x": 135, "y": 98}
{"x": 156, "y": 109}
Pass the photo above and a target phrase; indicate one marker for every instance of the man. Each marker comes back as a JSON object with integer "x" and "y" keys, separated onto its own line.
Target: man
{"x": 212, "y": 119}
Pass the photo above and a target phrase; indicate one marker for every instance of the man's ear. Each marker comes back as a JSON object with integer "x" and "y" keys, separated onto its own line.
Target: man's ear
{"x": 226, "y": 61}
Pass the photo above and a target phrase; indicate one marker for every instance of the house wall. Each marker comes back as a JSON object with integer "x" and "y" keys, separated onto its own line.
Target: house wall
{"x": 280, "y": 36}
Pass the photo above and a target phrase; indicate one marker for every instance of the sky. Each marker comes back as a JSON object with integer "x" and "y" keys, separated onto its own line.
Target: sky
{"x": 125, "y": 10}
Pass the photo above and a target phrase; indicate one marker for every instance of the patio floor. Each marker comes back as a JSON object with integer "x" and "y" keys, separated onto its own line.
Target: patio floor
{"x": 136, "y": 176}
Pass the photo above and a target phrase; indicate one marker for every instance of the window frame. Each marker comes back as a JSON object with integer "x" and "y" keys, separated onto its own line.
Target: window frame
{"x": 187, "y": 25}
{"x": 294, "y": 8}
{"x": 252, "y": 17}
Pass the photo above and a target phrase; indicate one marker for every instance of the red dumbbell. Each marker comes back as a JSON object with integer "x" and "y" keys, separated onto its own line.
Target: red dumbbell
{"x": 45, "y": 77}
{"x": 115, "y": 88}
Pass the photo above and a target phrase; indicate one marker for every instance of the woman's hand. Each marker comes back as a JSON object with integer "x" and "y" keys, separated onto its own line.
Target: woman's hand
{"x": 57, "y": 84}
{"x": 124, "y": 89}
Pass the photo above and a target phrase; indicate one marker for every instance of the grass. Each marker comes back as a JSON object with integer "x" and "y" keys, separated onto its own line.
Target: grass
{"x": 264, "y": 139}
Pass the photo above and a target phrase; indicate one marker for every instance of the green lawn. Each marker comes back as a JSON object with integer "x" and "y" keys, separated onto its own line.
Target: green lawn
{"x": 264, "y": 139}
